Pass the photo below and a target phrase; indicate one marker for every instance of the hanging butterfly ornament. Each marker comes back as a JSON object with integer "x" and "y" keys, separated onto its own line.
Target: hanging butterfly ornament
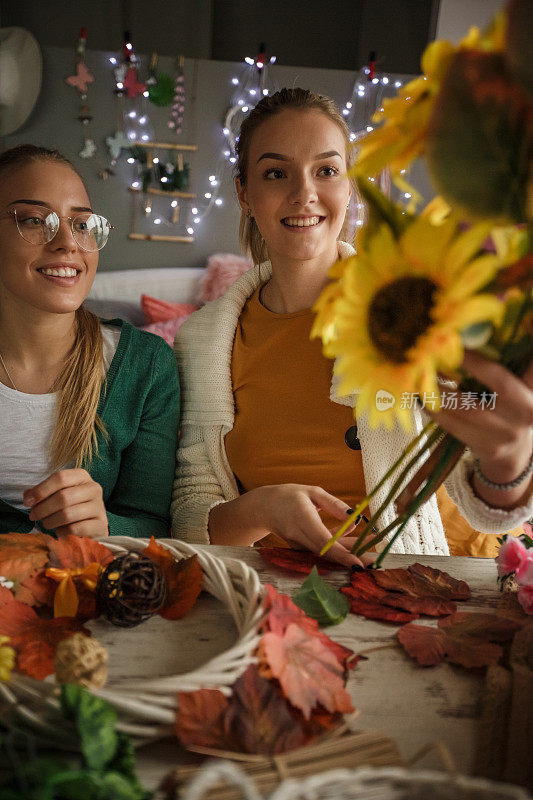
{"x": 133, "y": 124}
{"x": 80, "y": 81}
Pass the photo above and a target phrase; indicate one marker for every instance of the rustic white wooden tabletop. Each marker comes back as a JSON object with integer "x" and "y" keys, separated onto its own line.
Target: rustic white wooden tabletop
{"x": 413, "y": 705}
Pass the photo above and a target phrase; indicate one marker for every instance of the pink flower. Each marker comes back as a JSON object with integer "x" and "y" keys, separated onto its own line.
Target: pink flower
{"x": 524, "y": 573}
{"x": 527, "y": 528}
{"x": 525, "y": 598}
{"x": 511, "y": 556}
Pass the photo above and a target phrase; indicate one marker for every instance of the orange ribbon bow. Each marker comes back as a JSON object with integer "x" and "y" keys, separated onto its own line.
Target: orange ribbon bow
{"x": 66, "y": 597}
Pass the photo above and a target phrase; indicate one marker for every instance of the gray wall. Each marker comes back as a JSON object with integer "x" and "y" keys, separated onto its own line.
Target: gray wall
{"x": 53, "y": 123}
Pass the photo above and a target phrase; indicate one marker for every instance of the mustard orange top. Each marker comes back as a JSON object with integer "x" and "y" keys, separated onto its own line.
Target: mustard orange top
{"x": 287, "y": 430}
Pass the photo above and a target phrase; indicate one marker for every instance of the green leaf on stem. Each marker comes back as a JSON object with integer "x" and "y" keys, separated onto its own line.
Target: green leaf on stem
{"x": 321, "y": 601}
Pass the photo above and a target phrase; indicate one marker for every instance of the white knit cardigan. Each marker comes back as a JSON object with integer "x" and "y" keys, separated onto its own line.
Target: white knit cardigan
{"x": 203, "y": 348}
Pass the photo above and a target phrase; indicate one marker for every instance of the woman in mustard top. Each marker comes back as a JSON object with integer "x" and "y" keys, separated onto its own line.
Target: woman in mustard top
{"x": 266, "y": 445}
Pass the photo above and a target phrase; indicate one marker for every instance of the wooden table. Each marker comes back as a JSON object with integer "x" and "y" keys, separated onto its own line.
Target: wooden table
{"x": 413, "y": 705}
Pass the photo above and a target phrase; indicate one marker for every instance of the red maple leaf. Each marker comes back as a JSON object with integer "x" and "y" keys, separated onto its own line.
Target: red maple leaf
{"x": 282, "y": 612}
{"x": 441, "y": 582}
{"x": 366, "y": 599}
{"x": 297, "y": 653}
{"x": 184, "y": 580}
{"x": 35, "y": 640}
{"x": 22, "y": 555}
{"x": 298, "y": 560}
{"x": 463, "y": 638}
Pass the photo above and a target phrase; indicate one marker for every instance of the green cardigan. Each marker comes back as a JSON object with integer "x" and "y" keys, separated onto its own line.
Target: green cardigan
{"x": 139, "y": 406}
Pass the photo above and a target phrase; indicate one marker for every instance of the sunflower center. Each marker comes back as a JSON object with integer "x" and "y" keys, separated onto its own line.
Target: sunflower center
{"x": 398, "y": 314}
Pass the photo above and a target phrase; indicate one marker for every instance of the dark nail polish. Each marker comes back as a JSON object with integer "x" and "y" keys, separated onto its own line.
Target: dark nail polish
{"x": 349, "y": 510}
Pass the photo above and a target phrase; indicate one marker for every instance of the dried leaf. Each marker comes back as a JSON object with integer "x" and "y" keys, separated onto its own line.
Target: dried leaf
{"x": 465, "y": 639}
{"x": 6, "y": 596}
{"x": 35, "y": 640}
{"x": 21, "y": 555}
{"x": 409, "y": 592}
{"x": 297, "y": 653}
{"x": 441, "y": 582}
{"x": 365, "y": 598}
{"x": 200, "y": 718}
{"x": 76, "y": 552}
{"x": 184, "y": 580}
{"x": 282, "y": 612}
{"x": 258, "y": 718}
{"x": 298, "y": 560}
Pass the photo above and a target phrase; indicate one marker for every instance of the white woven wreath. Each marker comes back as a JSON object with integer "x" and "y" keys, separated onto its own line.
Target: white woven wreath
{"x": 146, "y": 708}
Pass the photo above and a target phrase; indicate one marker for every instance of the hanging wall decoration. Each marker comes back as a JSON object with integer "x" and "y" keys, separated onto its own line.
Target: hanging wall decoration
{"x": 248, "y": 88}
{"x": 80, "y": 81}
{"x": 178, "y": 105}
{"x": 160, "y": 86}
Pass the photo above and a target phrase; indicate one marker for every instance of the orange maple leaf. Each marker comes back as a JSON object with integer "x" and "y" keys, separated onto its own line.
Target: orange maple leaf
{"x": 199, "y": 719}
{"x": 76, "y": 552}
{"x": 296, "y": 654}
{"x": 35, "y": 640}
{"x": 6, "y": 596}
{"x": 184, "y": 580}
{"x": 22, "y": 555}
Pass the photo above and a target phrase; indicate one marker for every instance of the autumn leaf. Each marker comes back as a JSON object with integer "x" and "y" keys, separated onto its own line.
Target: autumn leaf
{"x": 6, "y": 596}
{"x": 441, "y": 582}
{"x": 258, "y": 718}
{"x": 21, "y": 555}
{"x": 282, "y": 612}
{"x": 297, "y": 653}
{"x": 184, "y": 579}
{"x": 200, "y": 718}
{"x": 298, "y": 560}
{"x": 76, "y": 552}
{"x": 465, "y": 639}
{"x": 365, "y": 598}
{"x": 411, "y": 593}
{"x": 35, "y": 640}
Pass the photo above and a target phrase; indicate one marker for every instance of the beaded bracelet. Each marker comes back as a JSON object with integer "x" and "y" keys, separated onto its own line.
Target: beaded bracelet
{"x": 503, "y": 487}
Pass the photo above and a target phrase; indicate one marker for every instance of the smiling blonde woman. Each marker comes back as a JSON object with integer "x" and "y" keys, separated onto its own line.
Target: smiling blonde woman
{"x": 268, "y": 450}
{"x": 89, "y": 408}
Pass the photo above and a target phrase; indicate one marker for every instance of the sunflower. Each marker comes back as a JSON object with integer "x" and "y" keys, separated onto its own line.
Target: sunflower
{"x": 394, "y": 317}
{"x": 7, "y": 659}
{"x": 401, "y": 138}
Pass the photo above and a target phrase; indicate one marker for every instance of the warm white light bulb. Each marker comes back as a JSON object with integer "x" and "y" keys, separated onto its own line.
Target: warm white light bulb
{"x": 384, "y": 80}
{"x": 212, "y": 178}
{"x": 194, "y": 210}
{"x": 233, "y": 160}
{"x": 249, "y": 61}
{"x": 142, "y": 120}
{"x": 145, "y": 137}
{"x": 157, "y": 221}
{"x": 218, "y": 201}
{"x": 208, "y": 195}
{"x": 196, "y": 220}
{"x": 164, "y": 179}
{"x": 146, "y": 94}
{"x": 156, "y": 160}
{"x": 174, "y": 203}
{"x": 113, "y": 60}
{"x": 348, "y": 105}
{"x": 397, "y": 84}
{"x": 135, "y": 185}
{"x": 235, "y": 81}
{"x": 190, "y": 231}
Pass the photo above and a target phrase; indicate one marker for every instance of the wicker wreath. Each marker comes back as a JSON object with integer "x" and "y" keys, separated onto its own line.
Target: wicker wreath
{"x": 146, "y": 708}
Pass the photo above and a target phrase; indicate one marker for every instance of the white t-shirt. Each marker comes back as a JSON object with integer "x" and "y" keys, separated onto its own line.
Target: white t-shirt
{"x": 27, "y": 424}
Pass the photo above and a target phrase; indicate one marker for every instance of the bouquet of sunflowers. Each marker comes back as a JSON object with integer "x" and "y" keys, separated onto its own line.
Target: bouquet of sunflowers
{"x": 399, "y": 314}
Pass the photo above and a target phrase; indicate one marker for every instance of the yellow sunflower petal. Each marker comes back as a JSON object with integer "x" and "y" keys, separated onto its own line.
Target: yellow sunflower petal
{"x": 424, "y": 244}
{"x": 482, "y": 308}
{"x": 466, "y": 245}
{"x": 474, "y": 277}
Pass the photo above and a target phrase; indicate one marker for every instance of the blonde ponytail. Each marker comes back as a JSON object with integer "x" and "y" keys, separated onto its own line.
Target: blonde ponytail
{"x": 79, "y": 386}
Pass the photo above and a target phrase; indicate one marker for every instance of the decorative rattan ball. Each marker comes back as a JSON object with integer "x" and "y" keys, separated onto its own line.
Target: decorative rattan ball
{"x": 130, "y": 589}
{"x": 81, "y": 659}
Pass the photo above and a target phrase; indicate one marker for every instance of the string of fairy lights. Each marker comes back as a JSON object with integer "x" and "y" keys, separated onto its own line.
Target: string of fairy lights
{"x": 253, "y": 82}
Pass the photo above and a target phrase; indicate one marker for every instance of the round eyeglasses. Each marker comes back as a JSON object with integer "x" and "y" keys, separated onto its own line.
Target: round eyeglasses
{"x": 38, "y": 225}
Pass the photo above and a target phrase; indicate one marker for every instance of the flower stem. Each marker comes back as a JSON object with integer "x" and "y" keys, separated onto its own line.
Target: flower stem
{"x": 360, "y": 507}
{"x": 431, "y": 440}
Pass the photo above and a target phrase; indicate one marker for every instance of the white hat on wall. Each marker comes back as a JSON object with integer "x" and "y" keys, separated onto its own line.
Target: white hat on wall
{"x": 21, "y": 68}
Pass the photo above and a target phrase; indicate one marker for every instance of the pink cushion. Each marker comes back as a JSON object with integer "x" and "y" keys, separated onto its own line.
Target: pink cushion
{"x": 166, "y": 328}
{"x": 221, "y": 271}
{"x": 155, "y": 310}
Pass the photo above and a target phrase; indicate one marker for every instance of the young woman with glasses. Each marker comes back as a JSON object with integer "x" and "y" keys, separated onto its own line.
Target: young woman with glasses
{"x": 88, "y": 408}
{"x": 263, "y": 449}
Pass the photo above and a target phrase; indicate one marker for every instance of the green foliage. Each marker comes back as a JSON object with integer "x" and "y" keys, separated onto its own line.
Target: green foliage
{"x": 162, "y": 92}
{"x": 321, "y": 601}
{"x": 107, "y": 769}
